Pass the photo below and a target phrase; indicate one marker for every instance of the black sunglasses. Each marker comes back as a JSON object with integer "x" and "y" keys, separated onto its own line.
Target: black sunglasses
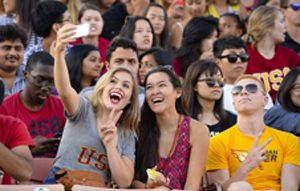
{"x": 295, "y": 6}
{"x": 232, "y": 58}
{"x": 250, "y": 88}
{"x": 212, "y": 82}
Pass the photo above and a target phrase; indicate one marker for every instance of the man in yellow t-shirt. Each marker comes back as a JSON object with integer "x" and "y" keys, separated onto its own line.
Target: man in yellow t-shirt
{"x": 266, "y": 158}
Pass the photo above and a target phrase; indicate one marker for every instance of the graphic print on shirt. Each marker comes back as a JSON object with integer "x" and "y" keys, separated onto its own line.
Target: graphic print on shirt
{"x": 272, "y": 79}
{"x": 92, "y": 157}
{"x": 45, "y": 127}
{"x": 241, "y": 155}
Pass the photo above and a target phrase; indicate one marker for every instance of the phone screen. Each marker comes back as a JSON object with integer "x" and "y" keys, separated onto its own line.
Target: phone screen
{"x": 82, "y": 30}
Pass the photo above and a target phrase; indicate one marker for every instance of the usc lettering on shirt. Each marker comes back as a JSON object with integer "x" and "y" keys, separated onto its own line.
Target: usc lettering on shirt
{"x": 272, "y": 70}
{"x": 86, "y": 154}
{"x": 272, "y": 79}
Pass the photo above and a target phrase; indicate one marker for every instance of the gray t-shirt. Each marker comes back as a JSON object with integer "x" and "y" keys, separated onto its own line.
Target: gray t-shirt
{"x": 81, "y": 147}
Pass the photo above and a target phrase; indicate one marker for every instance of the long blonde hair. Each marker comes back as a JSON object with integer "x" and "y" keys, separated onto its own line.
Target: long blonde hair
{"x": 260, "y": 20}
{"x": 131, "y": 113}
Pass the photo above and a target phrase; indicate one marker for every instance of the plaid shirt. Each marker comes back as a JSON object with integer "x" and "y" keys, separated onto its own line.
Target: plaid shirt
{"x": 19, "y": 82}
{"x": 35, "y": 45}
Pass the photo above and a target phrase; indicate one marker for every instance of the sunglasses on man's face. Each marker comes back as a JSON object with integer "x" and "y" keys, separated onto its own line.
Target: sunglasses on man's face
{"x": 295, "y": 6}
{"x": 232, "y": 58}
{"x": 250, "y": 88}
{"x": 212, "y": 82}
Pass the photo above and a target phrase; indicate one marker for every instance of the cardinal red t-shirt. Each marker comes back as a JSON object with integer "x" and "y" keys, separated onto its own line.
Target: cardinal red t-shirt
{"x": 46, "y": 122}
{"x": 272, "y": 71}
{"x": 13, "y": 133}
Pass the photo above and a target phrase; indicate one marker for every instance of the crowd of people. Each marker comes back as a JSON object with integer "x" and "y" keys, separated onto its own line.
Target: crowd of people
{"x": 160, "y": 94}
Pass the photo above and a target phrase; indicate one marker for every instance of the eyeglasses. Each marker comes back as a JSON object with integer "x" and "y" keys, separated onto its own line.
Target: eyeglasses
{"x": 232, "y": 58}
{"x": 250, "y": 88}
{"x": 39, "y": 81}
{"x": 210, "y": 82}
{"x": 295, "y": 6}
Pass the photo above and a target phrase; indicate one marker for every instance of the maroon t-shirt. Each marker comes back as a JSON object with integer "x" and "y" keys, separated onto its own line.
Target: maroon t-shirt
{"x": 13, "y": 133}
{"x": 272, "y": 71}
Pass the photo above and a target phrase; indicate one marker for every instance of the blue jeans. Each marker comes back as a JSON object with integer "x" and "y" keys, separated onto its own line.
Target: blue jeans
{"x": 51, "y": 177}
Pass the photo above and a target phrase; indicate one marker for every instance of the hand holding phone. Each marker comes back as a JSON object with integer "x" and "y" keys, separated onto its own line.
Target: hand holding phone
{"x": 82, "y": 30}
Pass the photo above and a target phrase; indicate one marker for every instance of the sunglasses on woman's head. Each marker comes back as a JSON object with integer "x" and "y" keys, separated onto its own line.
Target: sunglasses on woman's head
{"x": 212, "y": 82}
{"x": 232, "y": 58}
{"x": 250, "y": 88}
{"x": 295, "y": 6}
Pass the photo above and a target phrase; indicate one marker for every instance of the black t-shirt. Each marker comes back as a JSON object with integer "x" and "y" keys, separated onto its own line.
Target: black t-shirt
{"x": 114, "y": 19}
{"x": 219, "y": 127}
{"x": 290, "y": 43}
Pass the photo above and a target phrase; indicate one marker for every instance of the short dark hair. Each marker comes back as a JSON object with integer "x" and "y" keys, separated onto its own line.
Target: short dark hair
{"x": 40, "y": 57}
{"x": 121, "y": 43}
{"x": 227, "y": 42}
{"x": 12, "y": 32}
{"x": 45, "y": 15}
{"x": 284, "y": 92}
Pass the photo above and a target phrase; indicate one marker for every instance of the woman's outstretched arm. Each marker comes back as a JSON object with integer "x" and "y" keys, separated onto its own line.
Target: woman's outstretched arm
{"x": 67, "y": 94}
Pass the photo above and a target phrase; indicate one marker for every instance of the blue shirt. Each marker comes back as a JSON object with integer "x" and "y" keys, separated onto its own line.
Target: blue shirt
{"x": 18, "y": 84}
{"x": 278, "y": 118}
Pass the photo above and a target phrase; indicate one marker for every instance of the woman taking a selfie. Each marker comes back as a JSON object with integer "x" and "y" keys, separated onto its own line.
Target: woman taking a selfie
{"x": 104, "y": 124}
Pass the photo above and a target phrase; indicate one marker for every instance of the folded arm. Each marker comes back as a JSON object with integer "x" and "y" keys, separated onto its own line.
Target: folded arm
{"x": 17, "y": 162}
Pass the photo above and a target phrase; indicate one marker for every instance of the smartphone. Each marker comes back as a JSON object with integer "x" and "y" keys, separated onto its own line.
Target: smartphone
{"x": 82, "y": 30}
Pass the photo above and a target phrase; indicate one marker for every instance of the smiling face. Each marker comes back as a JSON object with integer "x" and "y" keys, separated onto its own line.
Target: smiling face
{"x": 160, "y": 93}
{"x": 95, "y": 20}
{"x": 91, "y": 65}
{"x": 157, "y": 19}
{"x": 117, "y": 93}
{"x": 205, "y": 92}
{"x": 246, "y": 102}
{"x": 11, "y": 55}
{"x": 143, "y": 36}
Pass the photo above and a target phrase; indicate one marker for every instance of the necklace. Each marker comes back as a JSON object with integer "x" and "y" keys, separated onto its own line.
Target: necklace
{"x": 161, "y": 165}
